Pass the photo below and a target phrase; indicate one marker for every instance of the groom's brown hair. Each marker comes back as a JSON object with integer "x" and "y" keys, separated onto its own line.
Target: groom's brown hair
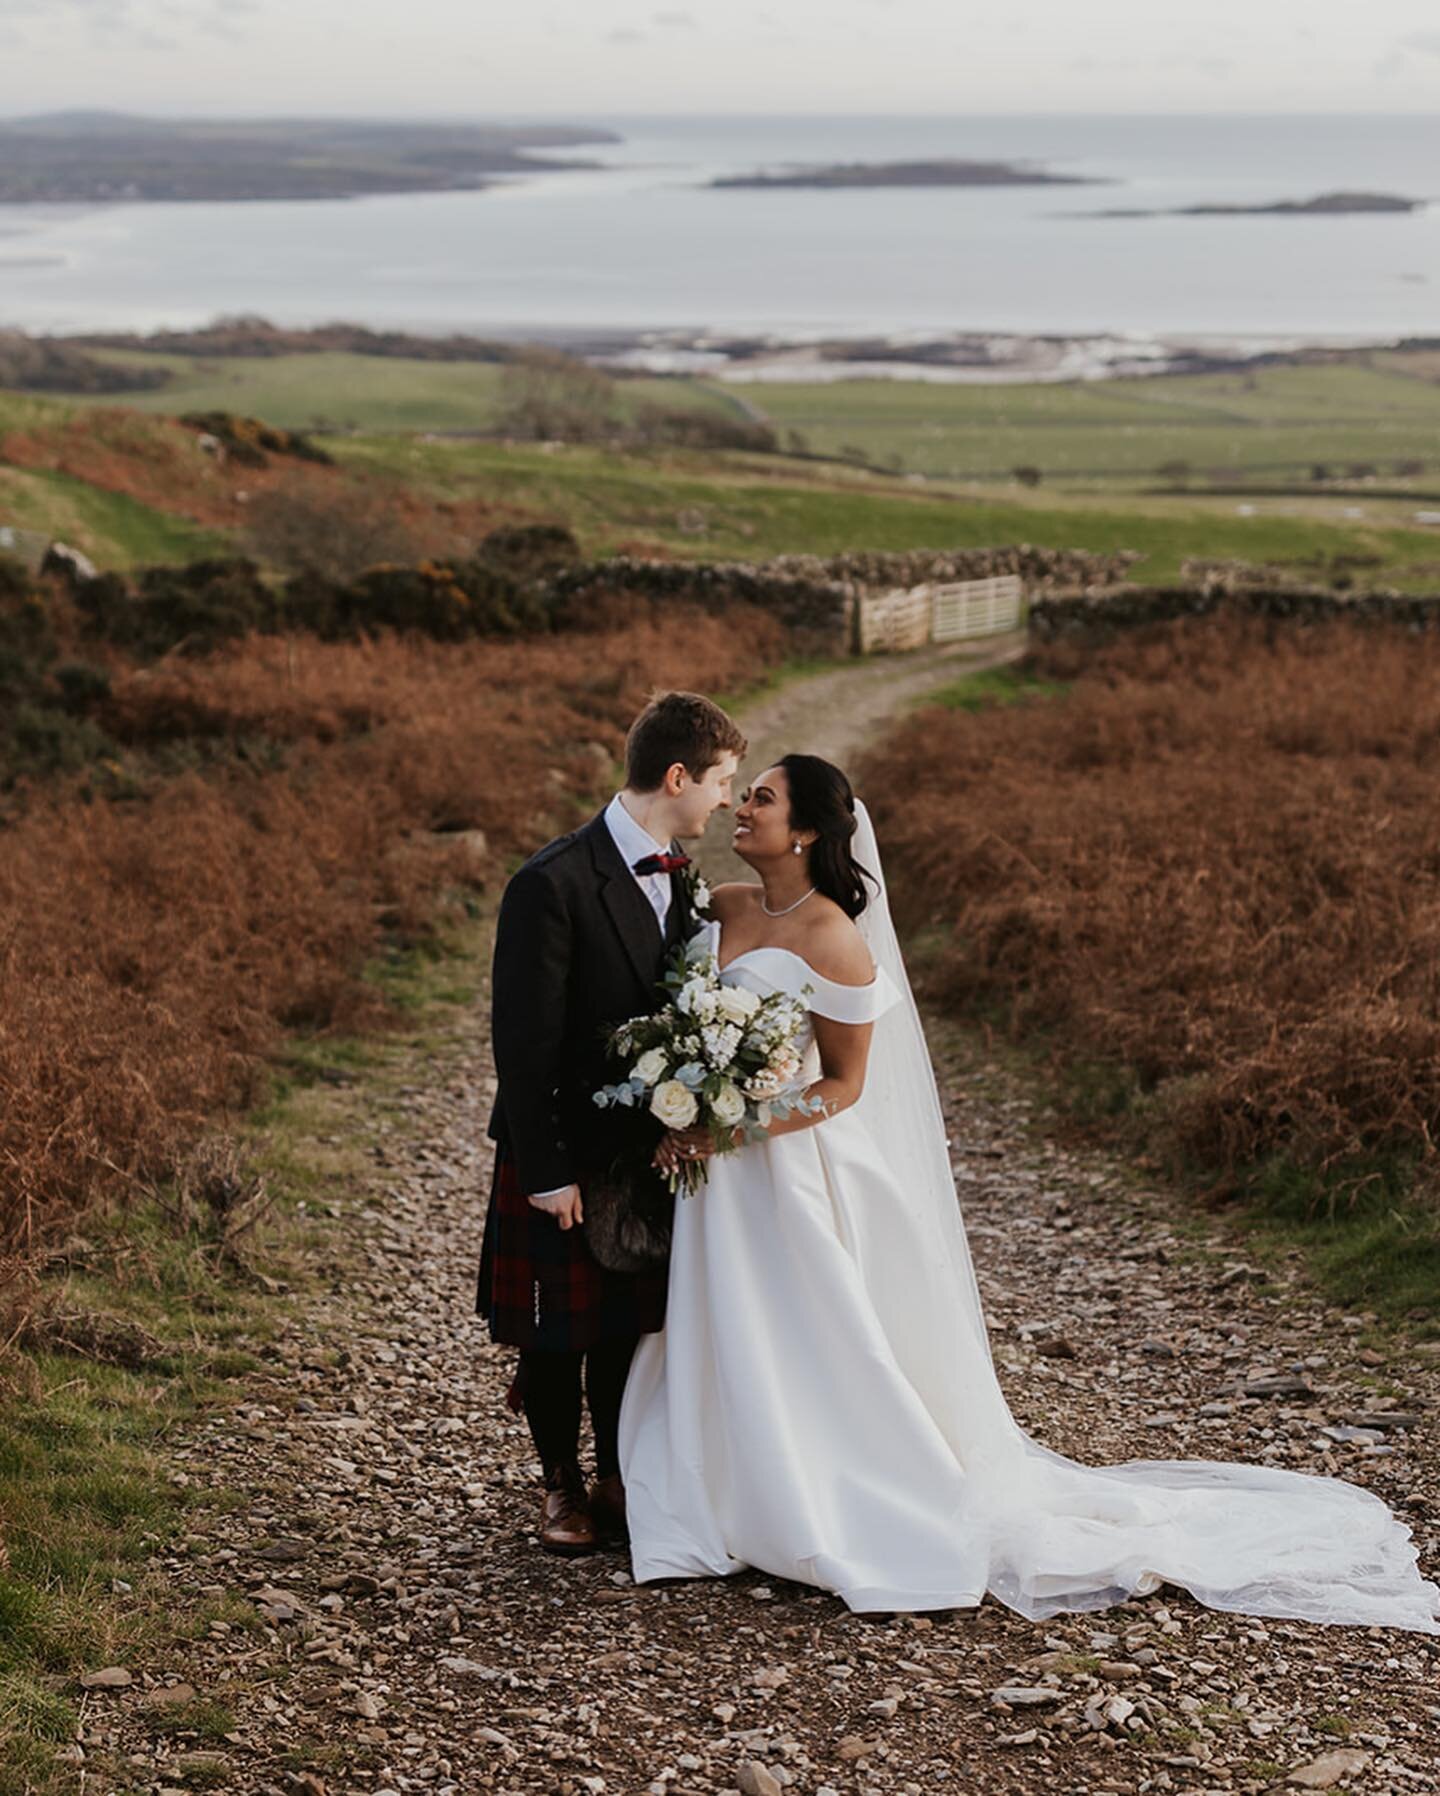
{"x": 678, "y": 726}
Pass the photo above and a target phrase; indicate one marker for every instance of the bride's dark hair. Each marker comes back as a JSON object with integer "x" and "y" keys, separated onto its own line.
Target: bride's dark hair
{"x": 821, "y": 799}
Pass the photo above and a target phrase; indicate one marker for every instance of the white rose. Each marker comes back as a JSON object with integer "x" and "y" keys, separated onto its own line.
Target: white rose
{"x": 728, "y": 1106}
{"x": 648, "y": 1068}
{"x": 736, "y": 1004}
{"x": 701, "y": 895}
{"x": 674, "y": 1104}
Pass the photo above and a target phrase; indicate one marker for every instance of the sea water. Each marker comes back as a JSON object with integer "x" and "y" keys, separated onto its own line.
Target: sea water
{"x": 642, "y": 242}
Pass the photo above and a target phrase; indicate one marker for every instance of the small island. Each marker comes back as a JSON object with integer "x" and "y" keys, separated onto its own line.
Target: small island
{"x": 908, "y": 174}
{"x": 1328, "y": 204}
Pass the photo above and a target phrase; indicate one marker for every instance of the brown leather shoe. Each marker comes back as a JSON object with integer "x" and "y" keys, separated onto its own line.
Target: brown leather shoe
{"x": 565, "y": 1522}
{"x": 607, "y": 1508}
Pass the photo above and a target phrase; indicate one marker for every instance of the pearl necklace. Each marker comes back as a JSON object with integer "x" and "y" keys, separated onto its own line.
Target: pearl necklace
{"x": 789, "y": 907}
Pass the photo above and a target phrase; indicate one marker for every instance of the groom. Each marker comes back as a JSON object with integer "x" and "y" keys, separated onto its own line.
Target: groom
{"x": 586, "y": 928}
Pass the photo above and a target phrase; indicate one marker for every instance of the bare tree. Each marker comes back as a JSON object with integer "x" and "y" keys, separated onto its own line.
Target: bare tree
{"x": 316, "y": 526}
{"x": 546, "y": 396}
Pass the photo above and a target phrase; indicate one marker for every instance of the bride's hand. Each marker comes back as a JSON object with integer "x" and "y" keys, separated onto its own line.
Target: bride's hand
{"x": 679, "y": 1145}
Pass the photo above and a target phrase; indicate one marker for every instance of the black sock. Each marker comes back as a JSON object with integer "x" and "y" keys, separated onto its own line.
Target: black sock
{"x": 606, "y": 1369}
{"x": 550, "y": 1387}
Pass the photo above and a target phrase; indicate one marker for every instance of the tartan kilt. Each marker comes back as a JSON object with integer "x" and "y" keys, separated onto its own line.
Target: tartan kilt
{"x": 541, "y": 1288}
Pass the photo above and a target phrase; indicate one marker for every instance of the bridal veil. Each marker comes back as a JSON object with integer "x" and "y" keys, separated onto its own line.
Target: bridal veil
{"x": 1061, "y": 1535}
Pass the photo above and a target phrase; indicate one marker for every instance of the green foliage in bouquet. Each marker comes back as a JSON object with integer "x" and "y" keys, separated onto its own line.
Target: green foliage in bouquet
{"x": 716, "y": 1057}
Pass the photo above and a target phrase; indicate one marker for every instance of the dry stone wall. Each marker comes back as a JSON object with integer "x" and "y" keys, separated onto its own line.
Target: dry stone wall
{"x": 815, "y": 596}
{"x": 1097, "y": 616}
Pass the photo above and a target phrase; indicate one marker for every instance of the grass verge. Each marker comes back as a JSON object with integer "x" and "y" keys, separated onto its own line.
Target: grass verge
{"x": 994, "y": 686}
{"x": 91, "y": 1502}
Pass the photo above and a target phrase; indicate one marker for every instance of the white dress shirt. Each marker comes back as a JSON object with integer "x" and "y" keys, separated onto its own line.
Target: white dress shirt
{"x": 634, "y": 842}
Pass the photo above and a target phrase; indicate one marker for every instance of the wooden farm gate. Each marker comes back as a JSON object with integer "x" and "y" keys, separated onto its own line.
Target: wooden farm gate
{"x": 977, "y": 607}
{"x": 909, "y": 617}
{"x": 894, "y": 620}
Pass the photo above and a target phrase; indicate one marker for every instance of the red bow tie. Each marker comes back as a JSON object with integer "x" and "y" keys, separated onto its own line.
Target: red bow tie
{"x": 661, "y": 863}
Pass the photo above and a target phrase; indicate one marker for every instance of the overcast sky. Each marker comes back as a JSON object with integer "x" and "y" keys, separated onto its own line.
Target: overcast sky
{"x": 578, "y": 58}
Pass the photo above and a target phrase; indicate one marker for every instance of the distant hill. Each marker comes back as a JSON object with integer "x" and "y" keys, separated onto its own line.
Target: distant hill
{"x": 88, "y": 156}
{"x": 247, "y": 335}
{"x": 82, "y": 119}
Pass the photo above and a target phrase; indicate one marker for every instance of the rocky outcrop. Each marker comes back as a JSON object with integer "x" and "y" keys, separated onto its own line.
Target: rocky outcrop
{"x": 69, "y": 563}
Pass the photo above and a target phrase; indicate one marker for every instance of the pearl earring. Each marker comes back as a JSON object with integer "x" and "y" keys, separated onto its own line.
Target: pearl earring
{"x": 797, "y": 848}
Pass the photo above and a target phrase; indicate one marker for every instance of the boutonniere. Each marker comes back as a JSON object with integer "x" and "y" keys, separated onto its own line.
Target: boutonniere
{"x": 696, "y": 889}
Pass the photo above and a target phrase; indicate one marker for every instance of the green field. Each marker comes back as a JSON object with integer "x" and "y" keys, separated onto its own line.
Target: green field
{"x": 1272, "y": 424}
{"x": 1380, "y": 409}
{"x": 335, "y": 391}
{"x": 751, "y": 507}
{"x": 721, "y": 505}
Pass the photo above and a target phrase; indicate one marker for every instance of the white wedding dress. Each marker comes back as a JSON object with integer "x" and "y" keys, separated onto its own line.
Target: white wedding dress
{"x": 821, "y": 1404}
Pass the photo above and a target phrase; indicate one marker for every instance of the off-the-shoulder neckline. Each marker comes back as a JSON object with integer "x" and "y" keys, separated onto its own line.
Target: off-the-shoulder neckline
{"x": 772, "y": 948}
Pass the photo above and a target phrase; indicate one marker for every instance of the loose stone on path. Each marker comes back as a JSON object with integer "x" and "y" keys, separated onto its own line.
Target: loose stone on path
{"x": 408, "y": 1635}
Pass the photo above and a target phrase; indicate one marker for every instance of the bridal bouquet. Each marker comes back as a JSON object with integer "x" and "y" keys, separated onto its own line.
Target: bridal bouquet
{"x": 717, "y": 1057}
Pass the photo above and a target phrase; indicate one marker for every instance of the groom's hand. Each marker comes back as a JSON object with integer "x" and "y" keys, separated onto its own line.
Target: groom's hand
{"x": 564, "y": 1206}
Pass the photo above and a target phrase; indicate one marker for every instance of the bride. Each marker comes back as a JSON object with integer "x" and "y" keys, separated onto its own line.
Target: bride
{"x": 821, "y": 1404}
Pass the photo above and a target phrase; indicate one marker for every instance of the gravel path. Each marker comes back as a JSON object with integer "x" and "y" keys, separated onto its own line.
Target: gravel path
{"x": 375, "y": 1615}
